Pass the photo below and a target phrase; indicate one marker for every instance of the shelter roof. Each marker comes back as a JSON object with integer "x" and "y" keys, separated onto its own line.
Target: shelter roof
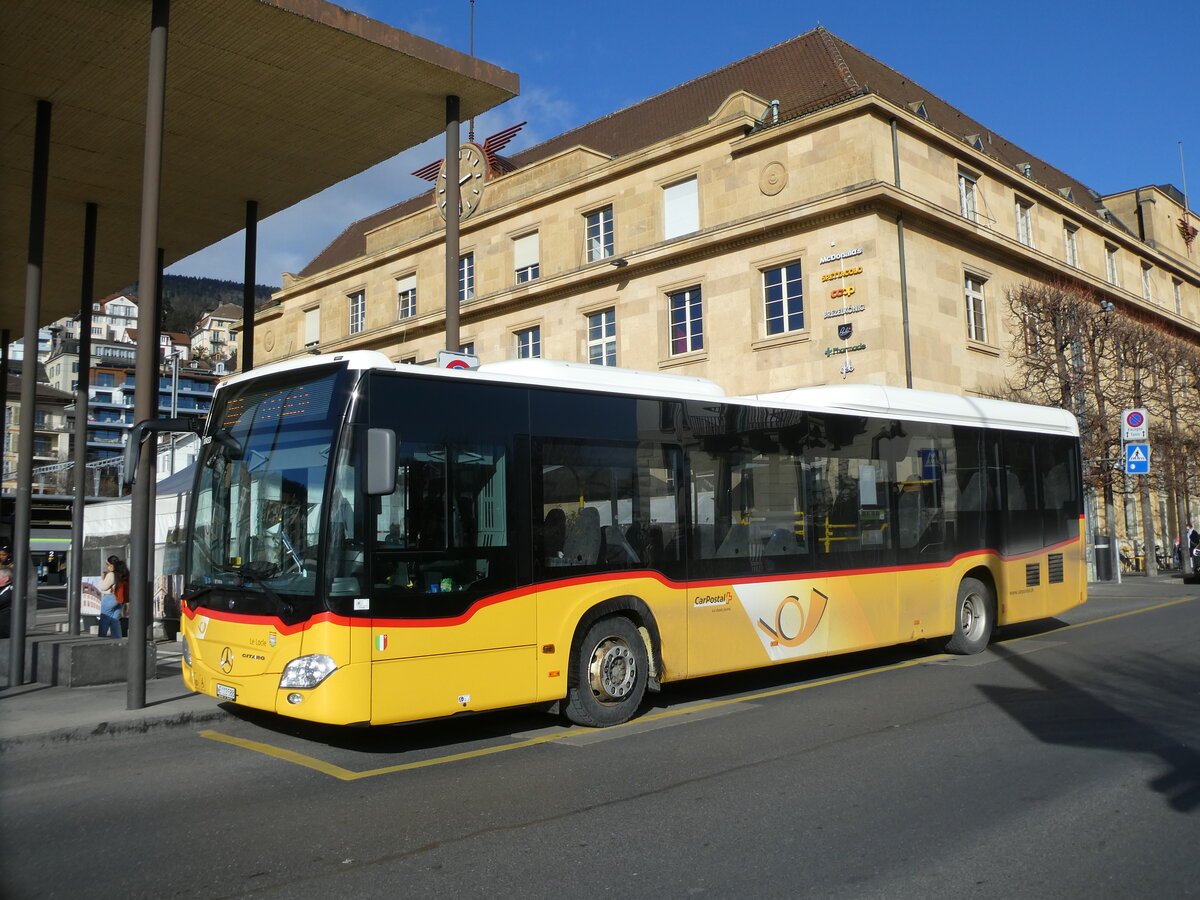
{"x": 267, "y": 100}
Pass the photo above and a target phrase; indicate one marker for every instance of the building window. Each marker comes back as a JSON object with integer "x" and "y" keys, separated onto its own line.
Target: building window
{"x": 406, "y": 296}
{"x": 1147, "y": 287}
{"x": 598, "y": 238}
{"x": 466, "y": 277}
{"x": 358, "y": 312}
{"x": 602, "y": 338}
{"x": 783, "y": 297}
{"x": 976, "y": 308}
{"x": 1177, "y": 293}
{"x": 686, "y": 321}
{"x": 526, "y": 253}
{"x": 681, "y": 209}
{"x": 967, "y": 197}
{"x": 1070, "y": 244}
{"x": 312, "y": 327}
{"x": 1025, "y": 222}
{"x": 467, "y": 348}
{"x": 1110, "y": 264}
{"x": 529, "y": 343}
{"x": 106, "y": 379}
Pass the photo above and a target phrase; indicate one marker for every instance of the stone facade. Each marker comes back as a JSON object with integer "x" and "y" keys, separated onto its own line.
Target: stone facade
{"x": 819, "y": 186}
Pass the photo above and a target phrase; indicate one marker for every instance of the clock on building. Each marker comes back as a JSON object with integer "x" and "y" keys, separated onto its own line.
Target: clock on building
{"x": 472, "y": 167}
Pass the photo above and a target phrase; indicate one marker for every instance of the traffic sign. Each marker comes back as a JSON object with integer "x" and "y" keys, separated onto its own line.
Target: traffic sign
{"x": 1134, "y": 425}
{"x": 1137, "y": 459}
{"x": 447, "y": 359}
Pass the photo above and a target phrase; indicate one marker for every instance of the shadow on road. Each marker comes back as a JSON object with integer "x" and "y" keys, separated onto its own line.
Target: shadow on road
{"x": 1058, "y": 712}
{"x": 512, "y": 724}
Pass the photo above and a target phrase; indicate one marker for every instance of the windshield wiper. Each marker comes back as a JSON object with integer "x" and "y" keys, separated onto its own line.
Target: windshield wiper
{"x": 250, "y": 573}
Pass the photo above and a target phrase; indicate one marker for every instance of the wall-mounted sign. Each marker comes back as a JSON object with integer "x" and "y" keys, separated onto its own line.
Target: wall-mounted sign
{"x": 842, "y": 292}
{"x": 844, "y": 273}
{"x": 831, "y": 351}
{"x": 845, "y": 311}
{"x": 847, "y": 368}
{"x": 834, "y": 257}
{"x": 845, "y": 330}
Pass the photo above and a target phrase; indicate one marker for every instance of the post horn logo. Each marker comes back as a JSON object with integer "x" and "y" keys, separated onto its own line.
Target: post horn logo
{"x": 792, "y": 625}
{"x": 227, "y": 660}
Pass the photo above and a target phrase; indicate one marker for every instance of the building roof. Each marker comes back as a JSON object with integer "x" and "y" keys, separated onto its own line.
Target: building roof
{"x": 43, "y": 393}
{"x": 807, "y": 73}
{"x": 224, "y": 311}
{"x": 266, "y": 101}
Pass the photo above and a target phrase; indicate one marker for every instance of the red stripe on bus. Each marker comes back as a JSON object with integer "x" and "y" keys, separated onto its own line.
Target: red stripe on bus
{"x": 624, "y": 575}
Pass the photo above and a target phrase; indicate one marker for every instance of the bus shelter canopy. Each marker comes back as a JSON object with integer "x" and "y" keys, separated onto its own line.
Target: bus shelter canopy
{"x": 267, "y": 100}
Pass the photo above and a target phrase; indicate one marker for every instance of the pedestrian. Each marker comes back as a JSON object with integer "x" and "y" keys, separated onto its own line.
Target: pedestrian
{"x": 1193, "y": 543}
{"x": 6, "y": 601}
{"x": 114, "y": 593}
{"x": 5, "y": 558}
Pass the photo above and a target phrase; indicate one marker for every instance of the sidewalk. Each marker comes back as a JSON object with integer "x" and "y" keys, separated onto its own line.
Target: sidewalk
{"x": 38, "y": 715}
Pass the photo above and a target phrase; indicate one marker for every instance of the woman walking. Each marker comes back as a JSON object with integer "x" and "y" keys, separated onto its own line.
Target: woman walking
{"x": 114, "y": 593}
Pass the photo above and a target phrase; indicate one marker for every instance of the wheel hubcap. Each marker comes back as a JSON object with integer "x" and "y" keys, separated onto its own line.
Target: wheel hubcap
{"x": 613, "y": 671}
{"x": 972, "y": 615}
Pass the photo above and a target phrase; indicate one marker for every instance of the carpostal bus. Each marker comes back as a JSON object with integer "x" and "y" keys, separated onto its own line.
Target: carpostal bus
{"x": 376, "y": 543}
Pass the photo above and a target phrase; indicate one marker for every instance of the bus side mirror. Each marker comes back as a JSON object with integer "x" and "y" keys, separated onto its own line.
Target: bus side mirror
{"x": 140, "y": 432}
{"x": 381, "y": 461}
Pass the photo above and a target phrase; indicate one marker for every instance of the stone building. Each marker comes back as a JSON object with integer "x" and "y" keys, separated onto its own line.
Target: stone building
{"x": 804, "y": 216}
{"x": 766, "y": 225}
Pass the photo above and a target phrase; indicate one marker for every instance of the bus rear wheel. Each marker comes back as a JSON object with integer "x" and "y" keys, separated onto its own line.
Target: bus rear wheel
{"x": 609, "y": 667}
{"x": 974, "y": 616}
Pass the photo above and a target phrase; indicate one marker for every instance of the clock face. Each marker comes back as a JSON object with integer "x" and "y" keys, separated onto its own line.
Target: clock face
{"x": 472, "y": 166}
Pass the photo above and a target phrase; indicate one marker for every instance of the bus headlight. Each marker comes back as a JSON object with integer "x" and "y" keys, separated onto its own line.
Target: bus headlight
{"x": 307, "y": 671}
{"x": 187, "y": 652}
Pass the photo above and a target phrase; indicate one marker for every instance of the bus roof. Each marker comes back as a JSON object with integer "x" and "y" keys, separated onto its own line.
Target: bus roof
{"x": 868, "y": 399}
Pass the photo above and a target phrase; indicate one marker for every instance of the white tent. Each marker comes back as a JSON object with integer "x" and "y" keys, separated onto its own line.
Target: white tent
{"x": 106, "y": 528}
{"x": 107, "y": 523}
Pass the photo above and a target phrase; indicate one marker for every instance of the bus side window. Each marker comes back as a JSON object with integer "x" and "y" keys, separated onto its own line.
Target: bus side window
{"x": 608, "y": 506}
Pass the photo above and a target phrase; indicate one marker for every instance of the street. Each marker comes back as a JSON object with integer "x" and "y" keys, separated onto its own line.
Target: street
{"x": 1064, "y": 761}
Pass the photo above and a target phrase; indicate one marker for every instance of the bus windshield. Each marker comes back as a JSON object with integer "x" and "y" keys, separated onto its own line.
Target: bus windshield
{"x": 259, "y": 501}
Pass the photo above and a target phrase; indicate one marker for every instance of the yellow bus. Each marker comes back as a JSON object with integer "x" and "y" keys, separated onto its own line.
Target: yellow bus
{"x": 375, "y": 543}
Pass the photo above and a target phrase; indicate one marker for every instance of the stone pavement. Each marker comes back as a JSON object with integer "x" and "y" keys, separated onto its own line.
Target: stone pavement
{"x": 41, "y": 715}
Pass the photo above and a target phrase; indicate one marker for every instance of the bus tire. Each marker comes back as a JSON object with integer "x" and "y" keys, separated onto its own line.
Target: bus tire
{"x": 974, "y": 616}
{"x": 608, "y": 674}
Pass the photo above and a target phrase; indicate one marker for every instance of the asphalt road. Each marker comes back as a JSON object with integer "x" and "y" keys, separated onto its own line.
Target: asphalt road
{"x": 1063, "y": 762}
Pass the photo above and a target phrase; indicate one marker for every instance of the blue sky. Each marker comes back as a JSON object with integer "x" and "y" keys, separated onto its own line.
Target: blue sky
{"x": 1104, "y": 91}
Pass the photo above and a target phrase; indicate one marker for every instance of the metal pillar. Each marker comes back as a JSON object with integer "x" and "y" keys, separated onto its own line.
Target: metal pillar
{"x": 453, "y": 131}
{"x": 146, "y": 395}
{"x": 246, "y": 351}
{"x": 33, "y": 313}
{"x": 84, "y": 375}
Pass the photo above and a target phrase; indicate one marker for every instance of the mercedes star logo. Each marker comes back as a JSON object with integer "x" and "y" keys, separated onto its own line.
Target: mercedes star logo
{"x": 227, "y": 660}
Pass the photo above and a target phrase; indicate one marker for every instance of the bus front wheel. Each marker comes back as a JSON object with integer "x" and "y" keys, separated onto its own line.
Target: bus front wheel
{"x": 974, "y": 616}
{"x": 608, "y": 674}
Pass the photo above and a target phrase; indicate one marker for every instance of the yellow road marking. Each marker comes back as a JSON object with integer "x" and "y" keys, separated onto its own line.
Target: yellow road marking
{"x": 345, "y": 774}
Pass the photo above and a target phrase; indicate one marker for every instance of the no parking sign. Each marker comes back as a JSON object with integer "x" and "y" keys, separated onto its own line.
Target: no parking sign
{"x": 1134, "y": 425}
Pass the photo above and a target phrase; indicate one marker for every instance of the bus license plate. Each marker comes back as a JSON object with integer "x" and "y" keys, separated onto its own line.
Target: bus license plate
{"x": 225, "y": 692}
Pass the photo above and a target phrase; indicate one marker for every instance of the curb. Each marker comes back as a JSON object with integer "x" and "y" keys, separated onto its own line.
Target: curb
{"x": 112, "y": 728}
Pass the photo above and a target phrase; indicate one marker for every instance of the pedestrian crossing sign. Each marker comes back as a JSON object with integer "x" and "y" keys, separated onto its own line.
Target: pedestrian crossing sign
{"x": 1137, "y": 459}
